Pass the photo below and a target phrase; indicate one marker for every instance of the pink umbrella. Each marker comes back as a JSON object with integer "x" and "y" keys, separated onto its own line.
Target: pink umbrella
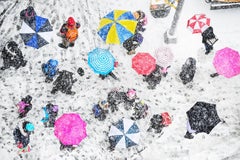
{"x": 198, "y": 23}
{"x": 227, "y": 62}
{"x": 70, "y": 129}
{"x": 164, "y": 56}
{"x": 143, "y": 63}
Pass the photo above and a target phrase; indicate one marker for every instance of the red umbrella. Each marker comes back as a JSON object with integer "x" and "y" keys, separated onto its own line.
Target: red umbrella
{"x": 143, "y": 63}
{"x": 70, "y": 129}
{"x": 198, "y": 23}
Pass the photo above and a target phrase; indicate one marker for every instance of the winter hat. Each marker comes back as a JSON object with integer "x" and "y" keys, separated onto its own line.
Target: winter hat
{"x": 53, "y": 62}
{"x": 29, "y": 127}
{"x": 28, "y": 99}
{"x": 80, "y": 71}
{"x": 131, "y": 93}
{"x": 71, "y": 21}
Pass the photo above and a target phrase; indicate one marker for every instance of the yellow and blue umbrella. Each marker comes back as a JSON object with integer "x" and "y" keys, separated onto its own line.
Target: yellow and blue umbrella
{"x": 117, "y": 26}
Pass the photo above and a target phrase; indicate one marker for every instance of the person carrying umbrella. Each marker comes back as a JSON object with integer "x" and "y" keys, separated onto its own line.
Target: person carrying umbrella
{"x": 202, "y": 117}
{"x": 142, "y": 20}
{"x": 28, "y": 15}
{"x": 70, "y": 129}
{"x": 207, "y": 35}
{"x": 154, "y": 78}
{"x": 69, "y": 33}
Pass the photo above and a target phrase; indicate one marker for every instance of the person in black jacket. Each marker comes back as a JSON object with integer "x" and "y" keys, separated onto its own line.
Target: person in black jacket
{"x": 22, "y": 135}
{"x": 24, "y": 106}
{"x": 28, "y": 15}
{"x": 207, "y": 35}
{"x": 188, "y": 70}
{"x": 154, "y": 78}
{"x": 12, "y": 56}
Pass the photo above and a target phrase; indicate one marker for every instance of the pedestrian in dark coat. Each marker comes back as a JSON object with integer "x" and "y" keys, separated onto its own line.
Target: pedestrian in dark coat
{"x": 22, "y": 135}
{"x": 12, "y": 56}
{"x": 154, "y": 78}
{"x": 188, "y": 70}
{"x": 51, "y": 112}
{"x": 24, "y": 106}
{"x": 64, "y": 83}
{"x": 156, "y": 123}
{"x": 28, "y": 15}
{"x": 206, "y": 36}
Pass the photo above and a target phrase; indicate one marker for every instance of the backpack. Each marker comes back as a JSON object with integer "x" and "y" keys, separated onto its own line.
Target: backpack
{"x": 72, "y": 34}
{"x": 21, "y": 106}
{"x": 138, "y": 38}
{"x": 97, "y": 110}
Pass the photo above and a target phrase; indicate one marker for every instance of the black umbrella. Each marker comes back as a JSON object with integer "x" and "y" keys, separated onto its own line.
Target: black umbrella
{"x": 203, "y": 117}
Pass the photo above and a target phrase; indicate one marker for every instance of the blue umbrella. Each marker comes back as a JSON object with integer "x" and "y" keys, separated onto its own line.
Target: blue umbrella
{"x": 101, "y": 61}
{"x": 125, "y": 133}
{"x": 37, "y": 33}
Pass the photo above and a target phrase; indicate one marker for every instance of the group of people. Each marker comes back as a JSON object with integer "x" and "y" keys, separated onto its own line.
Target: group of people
{"x": 115, "y": 97}
{"x": 22, "y": 133}
{"x": 12, "y": 56}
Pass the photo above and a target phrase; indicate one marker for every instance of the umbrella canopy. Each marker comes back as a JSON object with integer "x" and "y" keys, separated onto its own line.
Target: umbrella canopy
{"x": 203, "y": 117}
{"x": 101, "y": 61}
{"x": 164, "y": 56}
{"x": 70, "y": 129}
{"x": 198, "y": 23}
{"x": 143, "y": 63}
{"x": 227, "y": 62}
{"x": 38, "y": 33}
{"x": 117, "y": 26}
{"x": 125, "y": 133}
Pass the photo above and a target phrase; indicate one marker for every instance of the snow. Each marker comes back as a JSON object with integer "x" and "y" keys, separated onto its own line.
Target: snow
{"x": 170, "y": 96}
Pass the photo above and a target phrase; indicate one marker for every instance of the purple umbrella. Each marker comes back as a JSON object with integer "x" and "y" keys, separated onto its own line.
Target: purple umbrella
{"x": 70, "y": 129}
{"x": 227, "y": 62}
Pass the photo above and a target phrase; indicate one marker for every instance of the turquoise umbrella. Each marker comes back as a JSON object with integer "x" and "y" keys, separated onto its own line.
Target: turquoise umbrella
{"x": 101, "y": 61}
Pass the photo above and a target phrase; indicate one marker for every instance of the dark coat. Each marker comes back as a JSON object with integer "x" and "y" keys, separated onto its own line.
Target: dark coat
{"x": 12, "y": 56}
{"x": 20, "y": 138}
{"x": 188, "y": 70}
{"x": 207, "y": 34}
{"x": 154, "y": 78}
{"x": 28, "y": 15}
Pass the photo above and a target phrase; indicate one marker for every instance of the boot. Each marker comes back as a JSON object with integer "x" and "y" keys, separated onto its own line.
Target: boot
{"x": 62, "y": 147}
{"x": 62, "y": 46}
{"x": 71, "y": 45}
{"x": 188, "y": 135}
{"x": 214, "y": 75}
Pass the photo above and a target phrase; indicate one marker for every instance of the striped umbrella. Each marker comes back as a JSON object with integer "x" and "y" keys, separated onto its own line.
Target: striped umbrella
{"x": 101, "y": 61}
{"x": 117, "y": 26}
{"x": 198, "y": 23}
{"x": 38, "y": 33}
{"x": 124, "y": 134}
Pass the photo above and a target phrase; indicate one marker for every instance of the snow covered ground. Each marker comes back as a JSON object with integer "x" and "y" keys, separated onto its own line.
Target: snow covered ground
{"x": 170, "y": 96}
